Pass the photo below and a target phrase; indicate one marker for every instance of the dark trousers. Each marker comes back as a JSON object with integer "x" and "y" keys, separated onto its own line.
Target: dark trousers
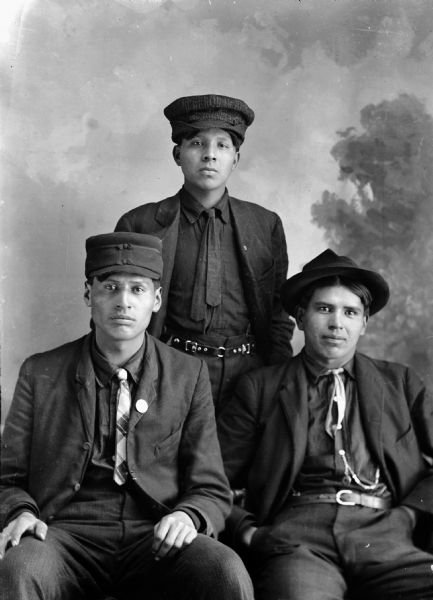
{"x": 85, "y": 560}
{"x": 332, "y": 552}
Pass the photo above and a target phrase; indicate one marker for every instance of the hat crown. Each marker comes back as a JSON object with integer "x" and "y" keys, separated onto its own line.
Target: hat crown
{"x": 329, "y": 259}
{"x": 129, "y": 252}
{"x": 191, "y": 113}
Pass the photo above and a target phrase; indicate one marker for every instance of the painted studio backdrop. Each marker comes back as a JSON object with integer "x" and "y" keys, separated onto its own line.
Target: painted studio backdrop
{"x": 341, "y": 148}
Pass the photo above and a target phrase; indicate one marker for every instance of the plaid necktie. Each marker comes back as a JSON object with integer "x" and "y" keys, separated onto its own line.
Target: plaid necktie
{"x": 337, "y": 405}
{"x": 207, "y": 287}
{"x": 122, "y": 418}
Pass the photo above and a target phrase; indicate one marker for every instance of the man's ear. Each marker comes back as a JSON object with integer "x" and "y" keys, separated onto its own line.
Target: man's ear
{"x": 364, "y": 329}
{"x": 299, "y": 317}
{"x": 158, "y": 300}
{"x": 87, "y": 294}
{"x": 236, "y": 160}
{"x": 176, "y": 154}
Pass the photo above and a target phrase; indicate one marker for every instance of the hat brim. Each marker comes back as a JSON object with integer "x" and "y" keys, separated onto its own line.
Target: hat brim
{"x": 133, "y": 269}
{"x": 293, "y": 289}
{"x": 180, "y": 131}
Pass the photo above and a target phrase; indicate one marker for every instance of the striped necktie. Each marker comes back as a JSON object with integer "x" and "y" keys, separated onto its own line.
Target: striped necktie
{"x": 122, "y": 418}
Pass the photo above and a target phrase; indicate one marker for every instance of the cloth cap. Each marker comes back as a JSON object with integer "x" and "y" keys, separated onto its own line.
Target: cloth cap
{"x": 127, "y": 252}
{"x": 192, "y": 113}
{"x": 328, "y": 264}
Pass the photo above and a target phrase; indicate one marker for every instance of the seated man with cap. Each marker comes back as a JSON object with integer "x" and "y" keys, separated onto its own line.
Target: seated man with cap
{"x": 111, "y": 477}
{"x": 225, "y": 259}
{"x": 334, "y": 450}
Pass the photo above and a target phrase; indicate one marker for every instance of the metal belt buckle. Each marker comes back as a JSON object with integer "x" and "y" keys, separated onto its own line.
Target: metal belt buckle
{"x": 344, "y": 502}
{"x": 221, "y": 352}
{"x": 246, "y": 348}
{"x": 190, "y": 346}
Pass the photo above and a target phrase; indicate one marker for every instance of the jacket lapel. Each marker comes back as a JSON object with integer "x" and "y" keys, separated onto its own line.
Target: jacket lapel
{"x": 147, "y": 386}
{"x": 167, "y": 216}
{"x": 247, "y": 234}
{"x": 371, "y": 396}
{"x": 86, "y": 389}
{"x": 289, "y": 441}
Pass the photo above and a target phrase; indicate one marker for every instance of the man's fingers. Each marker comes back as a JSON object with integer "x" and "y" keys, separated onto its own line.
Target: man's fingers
{"x": 170, "y": 536}
{"x": 163, "y": 543}
{"x": 25, "y": 522}
{"x": 41, "y": 529}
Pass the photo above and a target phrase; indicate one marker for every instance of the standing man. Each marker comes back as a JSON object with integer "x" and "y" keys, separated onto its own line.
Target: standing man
{"x": 225, "y": 259}
{"x": 111, "y": 475}
{"x": 335, "y": 452}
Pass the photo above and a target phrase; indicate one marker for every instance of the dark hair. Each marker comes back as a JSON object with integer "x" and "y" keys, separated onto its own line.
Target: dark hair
{"x": 359, "y": 289}
{"x": 190, "y": 134}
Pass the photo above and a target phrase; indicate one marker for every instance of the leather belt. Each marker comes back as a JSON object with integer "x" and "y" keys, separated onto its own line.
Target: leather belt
{"x": 342, "y": 497}
{"x": 193, "y": 347}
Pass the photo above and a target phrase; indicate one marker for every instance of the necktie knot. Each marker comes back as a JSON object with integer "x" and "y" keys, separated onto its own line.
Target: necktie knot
{"x": 335, "y": 371}
{"x": 122, "y": 374}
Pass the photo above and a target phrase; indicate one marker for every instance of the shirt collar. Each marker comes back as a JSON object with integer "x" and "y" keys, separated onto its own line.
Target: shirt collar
{"x": 192, "y": 209}
{"x": 104, "y": 370}
{"x": 315, "y": 371}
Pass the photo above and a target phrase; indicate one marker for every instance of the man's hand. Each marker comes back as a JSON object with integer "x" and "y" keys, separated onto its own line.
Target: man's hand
{"x": 247, "y": 534}
{"x": 172, "y": 533}
{"x": 26, "y": 522}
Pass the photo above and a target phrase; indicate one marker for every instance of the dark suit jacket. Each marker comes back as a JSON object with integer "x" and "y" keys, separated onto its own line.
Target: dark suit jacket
{"x": 173, "y": 451}
{"x": 263, "y": 255}
{"x": 263, "y": 434}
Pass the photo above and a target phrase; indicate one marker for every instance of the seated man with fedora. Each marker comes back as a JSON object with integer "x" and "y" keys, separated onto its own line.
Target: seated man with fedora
{"x": 111, "y": 476}
{"x": 334, "y": 450}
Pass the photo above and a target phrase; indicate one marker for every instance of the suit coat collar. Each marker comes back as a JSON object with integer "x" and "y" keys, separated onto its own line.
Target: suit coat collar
{"x": 148, "y": 384}
{"x": 86, "y": 387}
{"x": 287, "y": 441}
{"x": 371, "y": 390}
{"x": 372, "y": 394}
{"x": 245, "y": 226}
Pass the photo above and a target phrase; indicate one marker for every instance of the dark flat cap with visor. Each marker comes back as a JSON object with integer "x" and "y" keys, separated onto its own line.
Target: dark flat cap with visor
{"x": 193, "y": 113}
{"x": 125, "y": 252}
{"x": 328, "y": 264}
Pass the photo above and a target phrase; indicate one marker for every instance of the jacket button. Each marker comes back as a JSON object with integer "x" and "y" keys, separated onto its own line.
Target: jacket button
{"x": 86, "y": 446}
{"x": 50, "y": 518}
{"x": 77, "y": 486}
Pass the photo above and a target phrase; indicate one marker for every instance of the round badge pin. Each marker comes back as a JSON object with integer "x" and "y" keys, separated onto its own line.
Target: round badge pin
{"x": 141, "y": 406}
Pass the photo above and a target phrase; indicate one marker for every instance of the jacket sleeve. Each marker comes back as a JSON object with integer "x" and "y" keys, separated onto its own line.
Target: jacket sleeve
{"x": 239, "y": 433}
{"x": 420, "y": 402}
{"x": 16, "y": 450}
{"x": 282, "y": 325}
{"x": 204, "y": 487}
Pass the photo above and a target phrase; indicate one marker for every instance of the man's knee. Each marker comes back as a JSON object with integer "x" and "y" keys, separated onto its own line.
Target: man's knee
{"x": 215, "y": 567}
{"x": 30, "y": 564}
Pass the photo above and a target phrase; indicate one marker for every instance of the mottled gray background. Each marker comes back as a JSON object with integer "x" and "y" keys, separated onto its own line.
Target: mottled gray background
{"x": 84, "y": 138}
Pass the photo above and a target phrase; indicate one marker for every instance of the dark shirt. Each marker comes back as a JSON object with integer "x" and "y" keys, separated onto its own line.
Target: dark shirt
{"x": 231, "y": 317}
{"x": 323, "y": 468}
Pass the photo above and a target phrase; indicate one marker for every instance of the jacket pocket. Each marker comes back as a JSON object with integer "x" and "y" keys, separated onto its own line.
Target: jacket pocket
{"x": 166, "y": 444}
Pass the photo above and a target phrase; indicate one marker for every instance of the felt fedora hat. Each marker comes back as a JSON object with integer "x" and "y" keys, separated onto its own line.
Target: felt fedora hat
{"x": 328, "y": 264}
